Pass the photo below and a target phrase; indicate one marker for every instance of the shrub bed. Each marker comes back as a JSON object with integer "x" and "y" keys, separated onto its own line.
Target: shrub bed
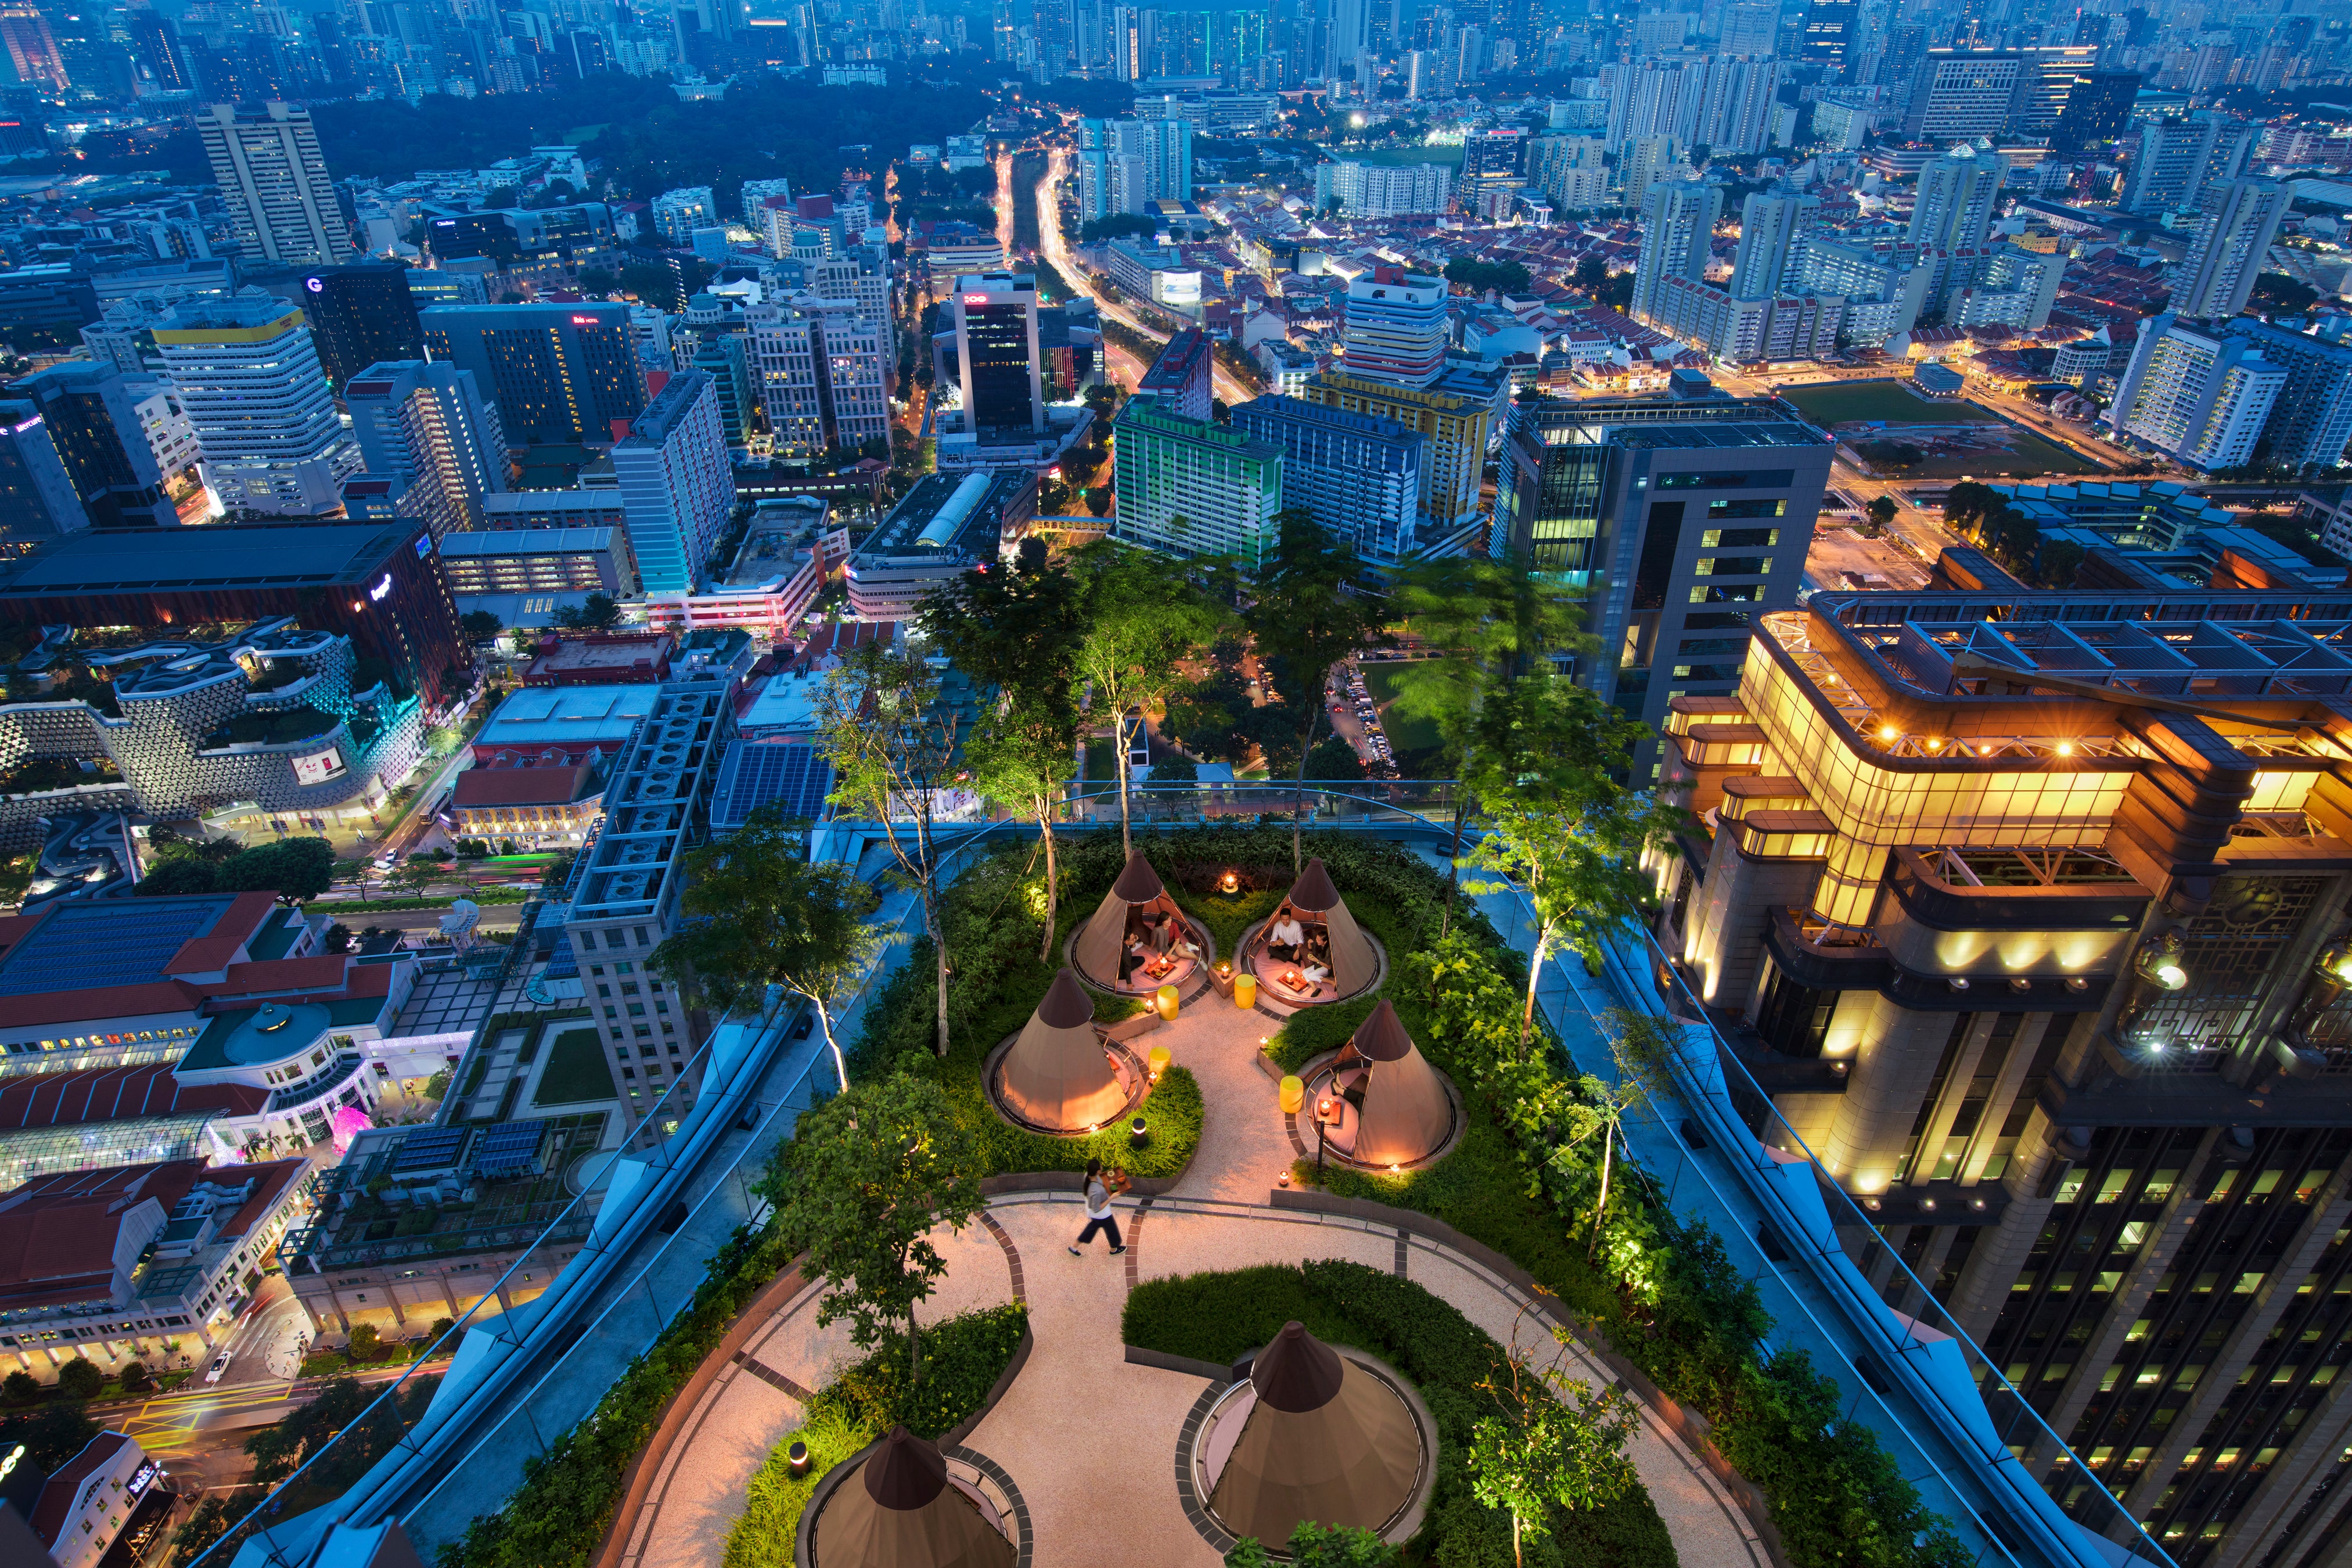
{"x": 963, "y": 1358}
{"x": 1660, "y": 1291}
{"x": 1216, "y": 1317}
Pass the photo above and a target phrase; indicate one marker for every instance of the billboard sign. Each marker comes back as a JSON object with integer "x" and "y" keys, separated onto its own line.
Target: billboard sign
{"x": 319, "y": 766}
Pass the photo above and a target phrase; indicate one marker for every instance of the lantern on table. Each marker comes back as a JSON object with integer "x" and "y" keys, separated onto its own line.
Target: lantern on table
{"x": 1229, "y": 883}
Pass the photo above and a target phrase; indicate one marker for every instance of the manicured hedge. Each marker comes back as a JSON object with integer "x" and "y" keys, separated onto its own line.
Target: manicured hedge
{"x": 1217, "y": 1316}
{"x": 963, "y": 1358}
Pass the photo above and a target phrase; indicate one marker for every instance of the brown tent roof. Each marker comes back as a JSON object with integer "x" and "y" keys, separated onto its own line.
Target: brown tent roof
{"x": 1381, "y": 1036}
{"x": 1313, "y": 892}
{"x": 1067, "y": 1004}
{"x": 1353, "y": 1460}
{"x": 1055, "y": 1075}
{"x": 1138, "y": 882}
{"x": 906, "y": 1515}
{"x": 905, "y": 1472}
{"x": 1298, "y": 1372}
{"x": 1406, "y": 1114}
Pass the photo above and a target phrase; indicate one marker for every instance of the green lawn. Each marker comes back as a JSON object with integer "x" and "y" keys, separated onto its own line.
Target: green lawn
{"x": 575, "y": 1070}
{"x": 2031, "y": 456}
{"x": 1840, "y": 402}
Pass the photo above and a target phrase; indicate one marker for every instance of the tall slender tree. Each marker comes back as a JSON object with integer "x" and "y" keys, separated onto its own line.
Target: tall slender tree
{"x": 1145, "y": 617}
{"x": 1020, "y": 631}
{"x": 1489, "y": 626}
{"x": 759, "y": 915}
{"x": 893, "y": 746}
{"x": 1307, "y": 616}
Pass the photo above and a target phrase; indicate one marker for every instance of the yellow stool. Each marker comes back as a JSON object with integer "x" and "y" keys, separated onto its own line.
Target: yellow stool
{"x": 1166, "y": 1000}
{"x": 1244, "y": 991}
{"x": 1159, "y": 1059}
{"x": 1294, "y": 1094}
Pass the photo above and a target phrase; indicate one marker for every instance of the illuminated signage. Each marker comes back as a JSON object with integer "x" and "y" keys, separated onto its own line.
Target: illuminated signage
{"x": 319, "y": 766}
{"x": 975, "y": 299}
{"x": 424, "y": 545}
{"x": 382, "y": 588}
{"x": 15, "y": 1457}
{"x": 316, "y": 285}
{"x": 143, "y": 1479}
{"x": 587, "y": 322}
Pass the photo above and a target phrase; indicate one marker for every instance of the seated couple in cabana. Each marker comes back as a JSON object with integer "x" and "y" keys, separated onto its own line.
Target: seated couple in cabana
{"x": 1137, "y": 940}
{"x": 1311, "y": 951}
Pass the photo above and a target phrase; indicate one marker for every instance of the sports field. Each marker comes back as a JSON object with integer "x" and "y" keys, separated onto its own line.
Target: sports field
{"x": 1845, "y": 402}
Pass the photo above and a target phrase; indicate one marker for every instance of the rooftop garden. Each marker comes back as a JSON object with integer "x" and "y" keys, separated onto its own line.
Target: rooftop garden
{"x": 256, "y": 726}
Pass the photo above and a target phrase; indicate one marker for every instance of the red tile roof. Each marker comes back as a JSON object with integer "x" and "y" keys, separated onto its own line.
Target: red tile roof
{"x": 58, "y": 1234}
{"x": 216, "y": 949}
{"x": 56, "y": 1509}
{"x": 523, "y": 786}
{"x": 113, "y": 1094}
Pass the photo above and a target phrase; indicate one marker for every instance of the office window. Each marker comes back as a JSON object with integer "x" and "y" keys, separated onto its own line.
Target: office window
{"x": 1769, "y": 479}
{"x": 1738, "y": 538}
{"x": 1732, "y": 567}
{"x": 1759, "y": 507}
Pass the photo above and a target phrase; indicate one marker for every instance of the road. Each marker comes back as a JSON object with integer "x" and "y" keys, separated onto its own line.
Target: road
{"x": 1055, "y": 249}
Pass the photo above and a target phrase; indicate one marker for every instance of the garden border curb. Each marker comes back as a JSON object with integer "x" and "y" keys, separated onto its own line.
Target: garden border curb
{"x": 636, "y": 1481}
{"x": 1693, "y": 1429}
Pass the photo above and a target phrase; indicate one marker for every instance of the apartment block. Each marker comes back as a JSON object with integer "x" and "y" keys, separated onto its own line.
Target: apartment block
{"x": 1187, "y": 487}
{"x": 1358, "y": 473}
{"x": 1452, "y": 427}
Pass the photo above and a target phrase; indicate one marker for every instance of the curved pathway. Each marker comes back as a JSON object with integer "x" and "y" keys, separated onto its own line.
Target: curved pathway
{"x": 1089, "y": 1438}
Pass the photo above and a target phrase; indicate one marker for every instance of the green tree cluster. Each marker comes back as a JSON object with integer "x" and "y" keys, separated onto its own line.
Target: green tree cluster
{"x": 1503, "y": 277}
{"x": 295, "y": 869}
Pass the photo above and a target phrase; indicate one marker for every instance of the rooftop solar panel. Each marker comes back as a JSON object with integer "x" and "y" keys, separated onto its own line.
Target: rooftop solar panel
{"x": 121, "y": 941}
{"x": 753, "y": 775}
{"x": 509, "y": 1148}
{"x": 430, "y": 1149}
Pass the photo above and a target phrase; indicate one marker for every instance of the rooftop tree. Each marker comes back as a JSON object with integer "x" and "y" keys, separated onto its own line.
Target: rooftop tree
{"x": 893, "y": 745}
{"x": 1145, "y": 615}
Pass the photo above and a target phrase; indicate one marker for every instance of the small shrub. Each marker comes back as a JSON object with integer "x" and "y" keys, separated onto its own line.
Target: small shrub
{"x": 366, "y": 1343}
{"x": 135, "y": 1377}
{"x": 20, "y": 1388}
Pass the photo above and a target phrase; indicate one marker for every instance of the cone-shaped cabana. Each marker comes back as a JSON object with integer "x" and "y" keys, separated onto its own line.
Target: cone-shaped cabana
{"x": 1406, "y": 1114}
{"x": 1326, "y": 1441}
{"x": 1354, "y": 964}
{"x": 1138, "y": 892}
{"x": 899, "y": 1511}
{"x": 1056, "y": 1076}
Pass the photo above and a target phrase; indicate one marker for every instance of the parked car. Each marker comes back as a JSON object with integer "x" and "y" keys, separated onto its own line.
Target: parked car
{"x": 219, "y": 1368}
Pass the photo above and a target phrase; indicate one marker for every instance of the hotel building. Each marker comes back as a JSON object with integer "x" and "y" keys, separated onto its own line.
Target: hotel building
{"x": 2028, "y": 914}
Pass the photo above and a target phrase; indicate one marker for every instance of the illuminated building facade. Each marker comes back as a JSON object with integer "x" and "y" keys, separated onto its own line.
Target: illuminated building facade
{"x": 2028, "y": 911}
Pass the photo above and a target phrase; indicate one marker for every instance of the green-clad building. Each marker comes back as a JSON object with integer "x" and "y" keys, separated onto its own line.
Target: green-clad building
{"x": 1187, "y": 487}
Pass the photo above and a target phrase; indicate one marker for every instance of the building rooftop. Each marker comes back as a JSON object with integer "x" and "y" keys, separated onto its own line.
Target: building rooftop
{"x": 573, "y": 715}
{"x": 530, "y": 541}
{"x": 947, "y": 516}
{"x": 78, "y": 946}
{"x": 116, "y": 1094}
{"x": 282, "y": 555}
{"x": 754, "y": 773}
{"x": 525, "y": 787}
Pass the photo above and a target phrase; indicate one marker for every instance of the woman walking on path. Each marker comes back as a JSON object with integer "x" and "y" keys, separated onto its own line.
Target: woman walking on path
{"x": 1098, "y": 1215}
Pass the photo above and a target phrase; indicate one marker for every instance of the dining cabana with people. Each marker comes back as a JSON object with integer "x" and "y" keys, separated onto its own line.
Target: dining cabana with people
{"x": 1310, "y": 950}
{"x": 1138, "y": 939}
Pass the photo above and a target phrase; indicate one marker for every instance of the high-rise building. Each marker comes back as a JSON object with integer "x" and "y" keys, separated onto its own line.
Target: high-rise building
{"x": 360, "y": 313}
{"x": 1953, "y": 210}
{"x": 2310, "y": 422}
{"x": 2234, "y": 232}
{"x": 1179, "y": 378}
{"x": 1962, "y": 94}
{"x": 2171, "y": 163}
{"x": 2098, "y": 108}
{"x": 1830, "y": 36}
{"x": 1572, "y": 172}
{"x": 1366, "y": 191}
{"x": 2018, "y": 288}
{"x": 1647, "y": 161}
{"x": 245, "y": 368}
{"x": 1692, "y": 514}
{"x": 996, "y": 351}
{"x": 2089, "y": 1151}
{"x": 677, "y": 486}
{"x": 2198, "y": 395}
{"x": 1396, "y": 326}
{"x": 429, "y": 425}
{"x": 1724, "y": 102}
{"x": 757, "y": 194}
{"x": 1358, "y": 473}
{"x": 1161, "y": 167}
{"x": 1452, "y": 427}
{"x": 37, "y": 494}
{"x": 677, "y": 214}
{"x": 32, "y": 47}
{"x": 92, "y": 411}
{"x": 1748, "y": 28}
{"x": 1189, "y": 488}
{"x": 1772, "y": 226}
{"x": 820, "y": 374}
{"x": 1678, "y": 218}
{"x": 557, "y": 371}
{"x": 157, "y": 42}
{"x": 726, "y": 359}
{"x": 274, "y": 183}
